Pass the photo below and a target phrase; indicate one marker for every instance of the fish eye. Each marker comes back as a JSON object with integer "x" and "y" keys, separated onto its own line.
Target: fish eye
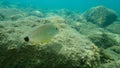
{"x": 26, "y": 39}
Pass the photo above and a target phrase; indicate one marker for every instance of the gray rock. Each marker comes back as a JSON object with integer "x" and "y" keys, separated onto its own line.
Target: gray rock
{"x": 100, "y": 15}
{"x": 67, "y": 49}
{"x": 115, "y": 27}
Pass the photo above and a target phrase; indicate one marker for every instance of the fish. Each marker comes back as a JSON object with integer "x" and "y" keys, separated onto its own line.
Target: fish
{"x": 42, "y": 34}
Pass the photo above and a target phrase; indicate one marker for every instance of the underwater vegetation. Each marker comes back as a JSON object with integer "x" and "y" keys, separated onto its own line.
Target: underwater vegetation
{"x": 103, "y": 40}
{"x": 31, "y": 38}
{"x": 115, "y": 27}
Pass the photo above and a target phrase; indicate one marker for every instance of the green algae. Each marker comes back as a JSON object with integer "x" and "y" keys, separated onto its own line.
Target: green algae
{"x": 43, "y": 33}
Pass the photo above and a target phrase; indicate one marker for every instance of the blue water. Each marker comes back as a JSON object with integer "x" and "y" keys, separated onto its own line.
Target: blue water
{"x": 80, "y": 5}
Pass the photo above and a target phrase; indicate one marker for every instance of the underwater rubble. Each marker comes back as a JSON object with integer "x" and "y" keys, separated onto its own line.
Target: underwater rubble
{"x": 56, "y": 40}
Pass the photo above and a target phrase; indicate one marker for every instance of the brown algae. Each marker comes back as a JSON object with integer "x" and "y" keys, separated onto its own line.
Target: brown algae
{"x": 42, "y": 34}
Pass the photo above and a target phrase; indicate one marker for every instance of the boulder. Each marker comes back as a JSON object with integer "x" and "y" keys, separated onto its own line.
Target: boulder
{"x": 114, "y": 27}
{"x": 67, "y": 49}
{"x": 101, "y": 16}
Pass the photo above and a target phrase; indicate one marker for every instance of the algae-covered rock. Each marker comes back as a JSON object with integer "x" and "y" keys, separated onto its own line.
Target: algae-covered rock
{"x": 67, "y": 49}
{"x": 103, "y": 40}
{"x": 36, "y": 13}
{"x": 2, "y": 17}
{"x": 11, "y": 14}
{"x": 110, "y": 57}
{"x": 50, "y": 42}
{"x": 114, "y": 27}
{"x": 115, "y": 64}
{"x": 101, "y": 16}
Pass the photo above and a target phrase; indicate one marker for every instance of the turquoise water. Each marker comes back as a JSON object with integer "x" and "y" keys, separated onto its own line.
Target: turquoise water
{"x": 80, "y": 5}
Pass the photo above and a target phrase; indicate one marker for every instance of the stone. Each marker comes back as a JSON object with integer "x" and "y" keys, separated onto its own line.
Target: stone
{"x": 100, "y": 16}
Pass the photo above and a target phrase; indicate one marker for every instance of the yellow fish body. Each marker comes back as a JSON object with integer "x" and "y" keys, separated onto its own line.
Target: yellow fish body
{"x": 43, "y": 33}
